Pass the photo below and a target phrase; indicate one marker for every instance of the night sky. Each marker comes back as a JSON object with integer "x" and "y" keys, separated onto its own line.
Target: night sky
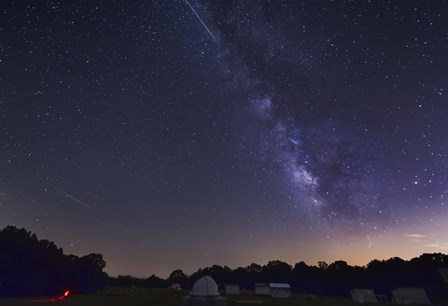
{"x": 168, "y": 134}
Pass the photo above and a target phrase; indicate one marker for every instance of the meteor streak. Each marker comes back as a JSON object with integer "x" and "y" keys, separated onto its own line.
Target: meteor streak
{"x": 208, "y": 30}
{"x": 68, "y": 195}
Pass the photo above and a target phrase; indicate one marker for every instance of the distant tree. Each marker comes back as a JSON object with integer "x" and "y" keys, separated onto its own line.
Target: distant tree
{"x": 126, "y": 281}
{"x": 338, "y": 265}
{"x": 428, "y": 269}
{"x": 322, "y": 265}
{"x": 337, "y": 281}
{"x": 29, "y": 266}
{"x": 90, "y": 273}
{"x": 253, "y": 268}
{"x": 220, "y": 274}
{"x": 179, "y": 277}
{"x": 244, "y": 278}
{"x": 276, "y": 271}
{"x": 252, "y": 274}
{"x": 304, "y": 278}
{"x": 177, "y": 274}
{"x": 155, "y": 282}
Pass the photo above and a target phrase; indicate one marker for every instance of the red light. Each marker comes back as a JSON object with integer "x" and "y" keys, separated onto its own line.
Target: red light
{"x": 66, "y": 293}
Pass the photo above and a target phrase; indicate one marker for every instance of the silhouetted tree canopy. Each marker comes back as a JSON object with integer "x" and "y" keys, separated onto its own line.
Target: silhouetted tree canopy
{"x": 337, "y": 278}
{"x": 155, "y": 282}
{"x": 178, "y": 277}
{"x": 31, "y": 267}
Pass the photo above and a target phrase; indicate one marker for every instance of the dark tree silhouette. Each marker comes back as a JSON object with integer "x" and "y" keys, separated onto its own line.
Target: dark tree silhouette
{"x": 322, "y": 265}
{"x": 29, "y": 266}
{"x": 276, "y": 271}
{"x": 155, "y": 282}
{"x": 178, "y": 277}
{"x": 337, "y": 278}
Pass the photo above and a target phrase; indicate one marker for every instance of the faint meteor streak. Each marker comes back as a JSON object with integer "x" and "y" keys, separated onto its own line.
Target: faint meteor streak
{"x": 69, "y": 195}
{"x": 208, "y": 30}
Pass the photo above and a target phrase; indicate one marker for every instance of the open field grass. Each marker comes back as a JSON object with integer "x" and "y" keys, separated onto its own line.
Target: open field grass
{"x": 165, "y": 297}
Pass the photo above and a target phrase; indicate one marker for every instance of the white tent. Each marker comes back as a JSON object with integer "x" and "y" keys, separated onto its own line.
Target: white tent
{"x": 204, "y": 293}
{"x": 280, "y": 290}
{"x": 363, "y": 296}
{"x": 410, "y": 296}
{"x": 262, "y": 289}
{"x": 205, "y": 286}
{"x": 232, "y": 289}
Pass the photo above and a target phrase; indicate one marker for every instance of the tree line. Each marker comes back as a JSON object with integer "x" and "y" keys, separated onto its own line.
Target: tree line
{"x": 33, "y": 267}
{"x": 335, "y": 279}
{"x": 29, "y": 266}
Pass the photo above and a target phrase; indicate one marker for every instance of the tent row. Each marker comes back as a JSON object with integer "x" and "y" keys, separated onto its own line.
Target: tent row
{"x": 205, "y": 289}
{"x": 400, "y": 296}
{"x": 205, "y": 292}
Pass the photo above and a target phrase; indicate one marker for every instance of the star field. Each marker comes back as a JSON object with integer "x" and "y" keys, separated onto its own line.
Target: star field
{"x": 174, "y": 134}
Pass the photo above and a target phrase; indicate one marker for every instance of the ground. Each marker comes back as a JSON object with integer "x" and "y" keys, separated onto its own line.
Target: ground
{"x": 165, "y": 297}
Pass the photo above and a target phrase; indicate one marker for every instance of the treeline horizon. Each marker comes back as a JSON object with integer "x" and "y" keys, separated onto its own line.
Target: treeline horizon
{"x": 428, "y": 271}
{"x": 33, "y": 267}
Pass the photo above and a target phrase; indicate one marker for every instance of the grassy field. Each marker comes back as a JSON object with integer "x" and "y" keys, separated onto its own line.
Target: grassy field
{"x": 165, "y": 297}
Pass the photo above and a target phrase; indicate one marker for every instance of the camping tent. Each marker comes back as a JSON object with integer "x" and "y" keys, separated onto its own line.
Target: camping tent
{"x": 280, "y": 290}
{"x": 262, "y": 289}
{"x": 410, "y": 296}
{"x": 232, "y": 289}
{"x": 363, "y": 296}
{"x": 204, "y": 293}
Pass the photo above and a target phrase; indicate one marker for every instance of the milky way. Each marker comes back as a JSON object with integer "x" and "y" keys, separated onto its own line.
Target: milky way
{"x": 328, "y": 163}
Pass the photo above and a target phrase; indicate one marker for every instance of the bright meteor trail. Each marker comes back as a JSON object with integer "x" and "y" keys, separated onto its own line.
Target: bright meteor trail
{"x": 69, "y": 196}
{"x": 208, "y": 30}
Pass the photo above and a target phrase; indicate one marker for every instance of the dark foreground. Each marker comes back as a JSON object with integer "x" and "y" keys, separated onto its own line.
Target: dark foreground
{"x": 166, "y": 297}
